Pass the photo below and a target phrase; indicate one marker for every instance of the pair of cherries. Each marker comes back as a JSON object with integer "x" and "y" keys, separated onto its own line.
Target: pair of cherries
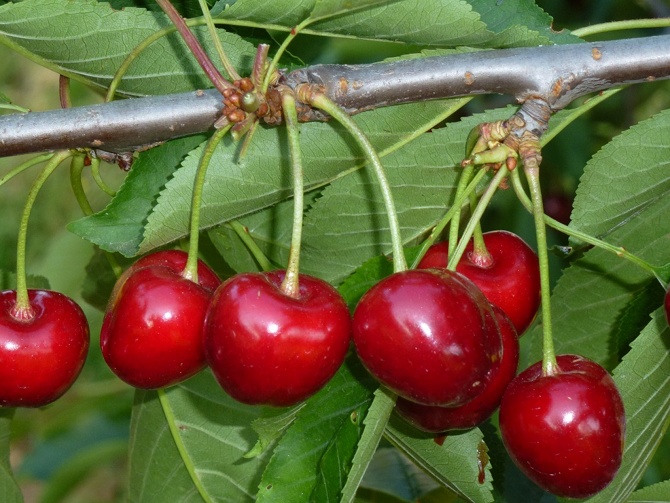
{"x": 446, "y": 343}
{"x": 263, "y": 346}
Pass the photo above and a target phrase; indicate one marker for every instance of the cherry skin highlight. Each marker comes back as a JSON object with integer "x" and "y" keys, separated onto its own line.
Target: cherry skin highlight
{"x": 40, "y": 357}
{"x": 428, "y": 335}
{"x": 152, "y": 332}
{"x": 265, "y": 347}
{"x": 435, "y": 419}
{"x": 565, "y": 431}
{"x": 510, "y": 281}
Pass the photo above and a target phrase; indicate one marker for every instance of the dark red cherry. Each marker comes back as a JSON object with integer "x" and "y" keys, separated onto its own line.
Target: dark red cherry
{"x": 509, "y": 280}
{"x": 435, "y": 419}
{"x": 41, "y": 355}
{"x": 565, "y": 431}
{"x": 428, "y": 335}
{"x": 266, "y": 347}
{"x": 152, "y": 333}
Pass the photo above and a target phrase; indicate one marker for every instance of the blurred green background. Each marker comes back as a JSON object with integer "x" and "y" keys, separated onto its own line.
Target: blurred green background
{"x": 74, "y": 450}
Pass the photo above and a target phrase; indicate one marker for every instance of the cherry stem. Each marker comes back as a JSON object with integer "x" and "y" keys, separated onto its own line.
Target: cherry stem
{"x": 95, "y": 171}
{"x": 64, "y": 91}
{"x": 243, "y": 233}
{"x": 191, "y": 268}
{"x": 480, "y": 255}
{"x": 291, "y": 286}
{"x": 22, "y": 309}
{"x": 227, "y": 64}
{"x": 272, "y": 68}
{"x": 549, "y": 365}
{"x": 454, "y": 226}
{"x": 619, "y": 251}
{"x": 76, "y": 170}
{"x": 321, "y": 101}
{"x": 205, "y": 63}
{"x": 448, "y": 216}
{"x": 24, "y": 166}
{"x": 476, "y": 217}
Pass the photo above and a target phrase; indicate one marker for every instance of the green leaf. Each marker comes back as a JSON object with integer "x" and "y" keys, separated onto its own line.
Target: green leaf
{"x": 270, "y": 426}
{"x": 189, "y": 445}
{"x": 659, "y": 493}
{"x": 624, "y": 177}
{"x": 642, "y": 378}
{"x": 8, "y": 281}
{"x": 328, "y": 8}
{"x": 9, "y": 489}
{"x": 88, "y": 41}
{"x": 119, "y": 227}
{"x": 391, "y": 472}
{"x": 320, "y": 430}
{"x": 455, "y": 463}
{"x": 236, "y": 187}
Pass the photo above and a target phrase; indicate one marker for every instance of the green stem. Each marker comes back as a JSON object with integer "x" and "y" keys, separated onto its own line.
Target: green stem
{"x": 324, "y": 103}
{"x": 290, "y": 286}
{"x": 227, "y": 64}
{"x": 191, "y": 269}
{"x": 480, "y": 255}
{"x": 22, "y": 310}
{"x": 619, "y": 251}
{"x": 280, "y": 52}
{"x": 476, "y": 217}
{"x": 95, "y": 171}
{"x": 23, "y": 166}
{"x": 448, "y": 216}
{"x": 454, "y": 226}
{"x": 548, "y": 354}
{"x": 632, "y": 24}
{"x": 243, "y": 234}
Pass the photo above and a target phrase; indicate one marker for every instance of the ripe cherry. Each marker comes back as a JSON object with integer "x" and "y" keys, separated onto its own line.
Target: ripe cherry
{"x": 435, "y": 419}
{"x": 509, "y": 278}
{"x": 428, "y": 335}
{"x": 266, "y": 347}
{"x": 40, "y": 355}
{"x": 565, "y": 431}
{"x": 152, "y": 333}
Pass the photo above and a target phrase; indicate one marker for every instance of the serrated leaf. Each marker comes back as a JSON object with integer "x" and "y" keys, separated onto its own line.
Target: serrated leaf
{"x": 391, "y": 472}
{"x": 643, "y": 379}
{"x": 89, "y": 40}
{"x": 624, "y": 177}
{"x": 270, "y": 426}
{"x": 292, "y": 473}
{"x": 236, "y": 187}
{"x": 189, "y": 445}
{"x": 119, "y": 227}
{"x": 455, "y": 463}
{"x": 9, "y": 489}
{"x": 659, "y": 493}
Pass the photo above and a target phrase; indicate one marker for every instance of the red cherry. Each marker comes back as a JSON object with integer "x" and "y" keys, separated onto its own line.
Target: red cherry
{"x": 510, "y": 281}
{"x": 152, "y": 333}
{"x": 265, "y": 347}
{"x": 428, "y": 335}
{"x": 40, "y": 357}
{"x": 443, "y": 419}
{"x": 565, "y": 431}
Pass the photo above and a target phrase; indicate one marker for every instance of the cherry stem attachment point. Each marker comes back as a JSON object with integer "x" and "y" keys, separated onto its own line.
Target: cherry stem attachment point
{"x": 322, "y": 102}
{"x": 191, "y": 269}
{"x": 291, "y": 286}
{"x": 22, "y": 309}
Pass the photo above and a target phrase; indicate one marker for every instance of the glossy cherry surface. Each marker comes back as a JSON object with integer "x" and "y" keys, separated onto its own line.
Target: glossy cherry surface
{"x": 428, "y": 335}
{"x": 436, "y": 419}
{"x": 511, "y": 280}
{"x": 265, "y": 347}
{"x": 565, "y": 431}
{"x": 152, "y": 333}
{"x": 41, "y": 357}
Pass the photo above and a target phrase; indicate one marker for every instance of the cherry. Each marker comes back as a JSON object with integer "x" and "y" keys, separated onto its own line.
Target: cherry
{"x": 428, "y": 335}
{"x": 510, "y": 278}
{"x": 152, "y": 332}
{"x": 443, "y": 419}
{"x": 565, "y": 431}
{"x": 266, "y": 347}
{"x": 41, "y": 354}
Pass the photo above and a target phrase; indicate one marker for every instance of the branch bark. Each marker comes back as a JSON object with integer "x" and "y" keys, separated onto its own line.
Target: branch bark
{"x": 556, "y": 74}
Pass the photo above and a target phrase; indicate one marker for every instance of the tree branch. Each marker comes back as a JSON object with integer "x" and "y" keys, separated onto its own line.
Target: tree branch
{"x": 555, "y": 74}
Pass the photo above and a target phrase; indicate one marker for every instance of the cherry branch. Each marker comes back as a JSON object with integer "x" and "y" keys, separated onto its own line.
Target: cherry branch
{"x": 556, "y": 75}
